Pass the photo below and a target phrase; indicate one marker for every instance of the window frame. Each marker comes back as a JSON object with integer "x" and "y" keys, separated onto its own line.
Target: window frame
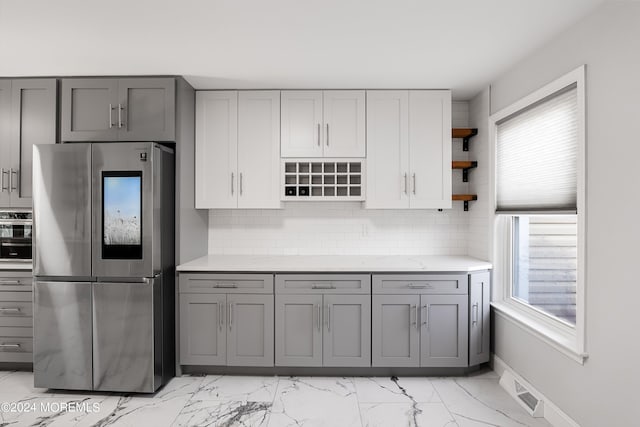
{"x": 568, "y": 339}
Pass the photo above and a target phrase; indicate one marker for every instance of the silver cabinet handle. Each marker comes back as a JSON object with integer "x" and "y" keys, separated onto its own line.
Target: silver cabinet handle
{"x": 414, "y": 183}
{"x": 424, "y": 315}
{"x": 111, "y": 116}
{"x": 230, "y": 315}
{"x": 7, "y": 345}
{"x": 413, "y": 286}
{"x": 405, "y": 183}
{"x": 318, "y": 313}
{"x": 225, "y": 285}
{"x": 318, "y": 134}
{"x": 414, "y": 322}
{"x": 3, "y": 172}
{"x": 232, "y": 176}
{"x": 328, "y": 317}
{"x": 426, "y": 320}
{"x": 221, "y": 316}
{"x": 120, "y": 108}
{"x": 11, "y": 186}
{"x": 327, "y": 135}
{"x": 10, "y": 283}
{"x": 241, "y": 183}
{"x": 10, "y": 310}
{"x": 475, "y": 314}
{"x": 322, "y": 286}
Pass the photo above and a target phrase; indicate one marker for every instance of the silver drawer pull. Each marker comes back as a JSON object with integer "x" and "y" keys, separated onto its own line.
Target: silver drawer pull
{"x": 322, "y": 286}
{"x": 10, "y": 310}
{"x": 414, "y": 286}
{"x": 14, "y": 346}
{"x": 10, "y": 283}
{"x": 226, "y": 285}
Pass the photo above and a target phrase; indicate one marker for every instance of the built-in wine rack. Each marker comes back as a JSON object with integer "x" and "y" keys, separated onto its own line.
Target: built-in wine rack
{"x": 304, "y": 179}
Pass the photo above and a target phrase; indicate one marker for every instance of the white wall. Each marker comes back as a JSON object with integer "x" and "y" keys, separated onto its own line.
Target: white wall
{"x": 603, "y": 392}
{"x": 317, "y": 228}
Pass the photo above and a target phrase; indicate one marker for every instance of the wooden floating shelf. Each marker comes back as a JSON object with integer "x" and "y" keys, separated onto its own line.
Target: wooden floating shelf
{"x": 466, "y": 198}
{"x": 465, "y": 166}
{"x": 466, "y": 134}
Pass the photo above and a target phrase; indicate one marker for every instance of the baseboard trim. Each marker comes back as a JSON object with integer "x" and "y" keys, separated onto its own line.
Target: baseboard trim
{"x": 552, "y": 413}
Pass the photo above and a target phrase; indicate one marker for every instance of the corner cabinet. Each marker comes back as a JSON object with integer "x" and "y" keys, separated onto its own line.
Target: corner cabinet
{"x": 28, "y": 114}
{"x": 237, "y": 149}
{"x": 328, "y": 123}
{"x": 118, "y": 109}
{"x": 408, "y": 149}
{"x": 226, "y": 319}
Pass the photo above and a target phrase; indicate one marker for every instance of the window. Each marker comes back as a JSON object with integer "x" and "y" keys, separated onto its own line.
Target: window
{"x": 539, "y": 200}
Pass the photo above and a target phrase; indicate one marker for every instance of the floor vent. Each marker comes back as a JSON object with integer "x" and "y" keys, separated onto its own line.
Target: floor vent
{"x": 523, "y": 394}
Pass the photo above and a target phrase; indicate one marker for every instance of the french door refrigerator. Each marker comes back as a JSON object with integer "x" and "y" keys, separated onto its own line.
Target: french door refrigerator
{"x": 104, "y": 266}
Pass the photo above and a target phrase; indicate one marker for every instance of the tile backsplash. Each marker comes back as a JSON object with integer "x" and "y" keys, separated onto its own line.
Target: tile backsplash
{"x": 335, "y": 228}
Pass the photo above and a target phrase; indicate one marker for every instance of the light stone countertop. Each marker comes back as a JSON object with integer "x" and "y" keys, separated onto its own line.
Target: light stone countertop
{"x": 335, "y": 263}
{"x": 15, "y": 266}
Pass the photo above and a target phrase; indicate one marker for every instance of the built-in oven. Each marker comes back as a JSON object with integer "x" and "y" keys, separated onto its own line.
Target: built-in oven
{"x": 15, "y": 235}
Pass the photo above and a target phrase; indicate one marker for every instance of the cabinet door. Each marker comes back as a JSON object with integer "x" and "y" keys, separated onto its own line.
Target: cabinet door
{"x": 5, "y": 138}
{"x": 259, "y": 149}
{"x": 347, "y": 330}
{"x": 216, "y": 149}
{"x": 146, "y": 109}
{"x": 301, "y": 126}
{"x": 395, "y": 335}
{"x": 387, "y": 149}
{"x": 250, "y": 330}
{"x": 479, "y": 317}
{"x": 443, "y": 330}
{"x": 430, "y": 148}
{"x": 89, "y": 110}
{"x": 344, "y": 129}
{"x": 202, "y": 329}
{"x": 298, "y": 330}
{"x": 33, "y": 104}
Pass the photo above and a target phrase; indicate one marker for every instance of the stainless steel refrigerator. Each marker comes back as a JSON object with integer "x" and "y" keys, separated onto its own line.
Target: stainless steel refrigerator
{"x": 103, "y": 266}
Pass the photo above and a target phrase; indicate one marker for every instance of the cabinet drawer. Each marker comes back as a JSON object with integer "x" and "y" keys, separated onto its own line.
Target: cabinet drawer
{"x": 12, "y": 331}
{"x": 14, "y": 349}
{"x": 15, "y": 281}
{"x": 16, "y": 313}
{"x": 323, "y": 283}
{"x": 15, "y": 296}
{"x": 420, "y": 284}
{"x": 226, "y": 283}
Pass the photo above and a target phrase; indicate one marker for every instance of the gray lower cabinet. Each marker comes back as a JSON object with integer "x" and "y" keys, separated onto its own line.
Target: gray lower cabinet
{"x": 226, "y": 329}
{"x": 425, "y": 325}
{"x": 28, "y": 116}
{"x": 443, "y": 330}
{"x": 118, "y": 109}
{"x": 316, "y": 329}
{"x": 16, "y": 317}
{"x": 479, "y": 317}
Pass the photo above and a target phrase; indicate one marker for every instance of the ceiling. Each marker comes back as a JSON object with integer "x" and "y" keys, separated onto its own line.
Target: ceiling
{"x": 457, "y": 44}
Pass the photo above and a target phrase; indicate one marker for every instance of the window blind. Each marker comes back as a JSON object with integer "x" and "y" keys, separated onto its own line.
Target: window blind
{"x": 537, "y": 149}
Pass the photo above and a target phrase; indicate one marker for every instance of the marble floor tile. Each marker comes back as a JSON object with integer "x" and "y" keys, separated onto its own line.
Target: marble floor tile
{"x": 218, "y": 413}
{"x": 394, "y": 389}
{"x": 237, "y": 388}
{"x": 406, "y": 414}
{"x": 20, "y": 384}
{"x": 482, "y": 402}
{"x": 315, "y": 402}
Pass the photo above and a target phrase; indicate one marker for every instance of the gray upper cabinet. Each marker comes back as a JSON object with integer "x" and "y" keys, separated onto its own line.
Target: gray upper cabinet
{"x": 396, "y": 334}
{"x": 112, "y": 109}
{"x": 27, "y": 117}
{"x": 250, "y": 330}
{"x": 443, "y": 330}
{"x": 479, "y": 317}
{"x": 298, "y": 330}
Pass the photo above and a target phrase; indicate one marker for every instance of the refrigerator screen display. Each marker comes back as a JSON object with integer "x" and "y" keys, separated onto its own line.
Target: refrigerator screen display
{"x": 121, "y": 215}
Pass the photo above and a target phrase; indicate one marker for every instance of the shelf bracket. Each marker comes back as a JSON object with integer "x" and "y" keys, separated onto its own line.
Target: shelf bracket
{"x": 465, "y": 140}
{"x": 465, "y": 171}
{"x": 466, "y": 205}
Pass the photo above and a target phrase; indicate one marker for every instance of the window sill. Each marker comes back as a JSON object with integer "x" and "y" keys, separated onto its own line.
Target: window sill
{"x": 564, "y": 343}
